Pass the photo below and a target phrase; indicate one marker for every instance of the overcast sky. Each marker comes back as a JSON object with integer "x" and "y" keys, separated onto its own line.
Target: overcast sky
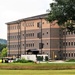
{"x": 11, "y": 10}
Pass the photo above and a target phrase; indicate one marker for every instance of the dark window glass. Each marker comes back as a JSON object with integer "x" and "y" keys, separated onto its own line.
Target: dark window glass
{"x": 47, "y": 43}
{"x": 72, "y": 43}
{"x": 47, "y": 32}
{"x": 69, "y": 43}
{"x": 71, "y": 54}
{"x": 39, "y": 24}
{"x": 39, "y": 35}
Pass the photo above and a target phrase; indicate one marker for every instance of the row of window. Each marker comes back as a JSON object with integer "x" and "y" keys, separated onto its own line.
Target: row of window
{"x": 69, "y": 33}
{"x": 68, "y": 43}
{"x": 27, "y": 35}
{"x": 27, "y": 45}
{"x": 18, "y": 36}
{"x": 70, "y": 54}
{"x": 30, "y": 24}
{"x": 30, "y": 35}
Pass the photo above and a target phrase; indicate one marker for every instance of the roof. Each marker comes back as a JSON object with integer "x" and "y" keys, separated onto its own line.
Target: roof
{"x": 28, "y": 18}
{"x": 32, "y": 50}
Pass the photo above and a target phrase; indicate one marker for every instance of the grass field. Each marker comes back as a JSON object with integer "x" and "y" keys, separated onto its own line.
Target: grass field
{"x": 40, "y": 66}
{"x": 37, "y": 72}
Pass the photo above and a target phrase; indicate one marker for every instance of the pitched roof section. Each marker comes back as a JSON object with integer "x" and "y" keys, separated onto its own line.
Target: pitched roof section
{"x": 28, "y": 18}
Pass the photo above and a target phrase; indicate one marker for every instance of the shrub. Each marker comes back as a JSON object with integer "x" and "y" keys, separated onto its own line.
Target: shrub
{"x": 22, "y": 61}
{"x": 46, "y": 58}
{"x": 39, "y": 58}
{"x": 71, "y": 60}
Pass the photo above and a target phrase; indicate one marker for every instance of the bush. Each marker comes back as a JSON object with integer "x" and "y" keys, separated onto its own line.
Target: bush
{"x": 22, "y": 61}
{"x": 39, "y": 58}
{"x": 46, "y": 58}
{"x": 71, "y": 60}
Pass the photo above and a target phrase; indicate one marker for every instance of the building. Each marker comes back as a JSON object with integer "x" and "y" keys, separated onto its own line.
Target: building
{"x": 36, "y": 33}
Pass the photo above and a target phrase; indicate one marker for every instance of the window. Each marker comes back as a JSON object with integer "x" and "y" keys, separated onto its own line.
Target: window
{"x": 66, "y": 54}
{"x": 63, "y": 43}
{"x": 47, "y": 32}
{"x": 41, "y": 45}
{"x": 39, "y": 24}
{"x": 69, "y": 43}
{"x": 74, "y": 32}
{"x": 74, "y": 54}
{"x": 66, "y": 43}
{"x": 63, "y": 33}
{"x": 47, "y": 43}
{"x": 33, "y": 44}
{"x": 71, "y": 54}
{"x": 33, "y": 34}
{"x": 39, "y": 35}
{"x": 29, "y": 34}
{"x": 23, "y": 44}
{"x": 72, "y": 43}
{"x": 43, "y": 23}
{"x": 43, "y": 33}
{"x": 23, "y": 34}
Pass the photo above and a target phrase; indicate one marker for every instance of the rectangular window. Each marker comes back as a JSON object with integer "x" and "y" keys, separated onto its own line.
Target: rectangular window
{"x": 39, "y": 24}
{"x": 33, "y": 34}
{"x": 69, "y": 43}
{"x": 63, "y": 33}
{"x": 71, "y": 54}
{"x": 41, "y": 45}
{"x": 66, "y": 54}
{"x": 74, "y": 54}
{"x": 63, "y": 43}
{"x": 47, "y": 32}
{"x": 72, "y": 43}
{"x": 33, "y": 44}
{"x": 66, "y": 43}
{"x": 39, "y": 35}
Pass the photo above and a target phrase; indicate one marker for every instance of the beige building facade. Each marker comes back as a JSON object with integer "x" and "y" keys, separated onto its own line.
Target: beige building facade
{"x": 36, "y": 33}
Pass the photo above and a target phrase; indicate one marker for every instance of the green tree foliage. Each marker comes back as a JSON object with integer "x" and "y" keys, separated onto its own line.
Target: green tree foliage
{"x": 2, "y": 46}
{"x": 64, "y": 12}
{"x": 4, "y": 52}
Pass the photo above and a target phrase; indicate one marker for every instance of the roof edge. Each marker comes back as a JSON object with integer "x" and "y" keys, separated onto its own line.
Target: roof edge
{"x": 28, "y": 18}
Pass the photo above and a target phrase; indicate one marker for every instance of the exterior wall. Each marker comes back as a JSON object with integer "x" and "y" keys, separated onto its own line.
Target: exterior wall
{"x": 23, "y": 35}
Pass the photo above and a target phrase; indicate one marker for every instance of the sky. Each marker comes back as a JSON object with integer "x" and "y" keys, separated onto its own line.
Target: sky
{"x": 11, "y": 10}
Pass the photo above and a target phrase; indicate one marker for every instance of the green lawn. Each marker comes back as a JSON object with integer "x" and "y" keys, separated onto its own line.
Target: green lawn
{"x": 37, "y": 72}
{"x": 33, "y": 66}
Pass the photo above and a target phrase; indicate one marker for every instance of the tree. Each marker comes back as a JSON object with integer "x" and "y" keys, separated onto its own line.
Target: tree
{"x": 64, "y": 12}
{"x": 4, "y": 52}
{"x": 2, "y": 46}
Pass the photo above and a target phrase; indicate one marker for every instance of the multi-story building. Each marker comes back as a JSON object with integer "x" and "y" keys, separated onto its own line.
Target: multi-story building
{"x": 36, "y": 33}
